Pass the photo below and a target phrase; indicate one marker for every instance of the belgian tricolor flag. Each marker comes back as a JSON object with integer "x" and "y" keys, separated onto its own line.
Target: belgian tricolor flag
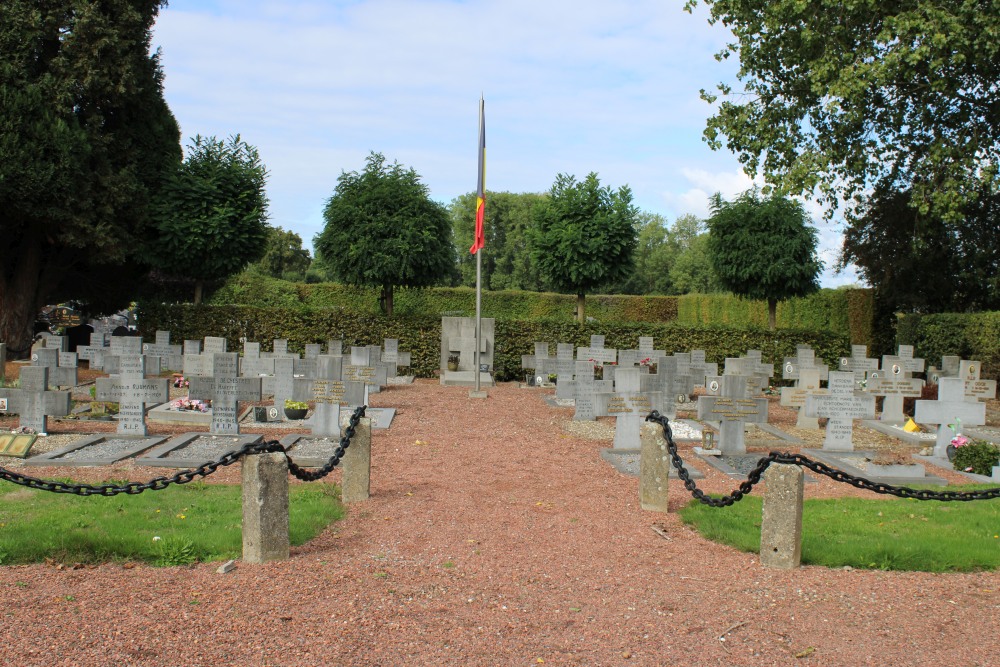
{"x": 480, "y": 239}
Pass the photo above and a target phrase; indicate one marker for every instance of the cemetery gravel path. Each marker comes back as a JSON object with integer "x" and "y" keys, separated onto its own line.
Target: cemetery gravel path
{"x": 495, "y": 537}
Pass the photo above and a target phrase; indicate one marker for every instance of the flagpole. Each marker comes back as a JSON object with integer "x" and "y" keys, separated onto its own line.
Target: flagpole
{"x": 479, "y": 309}
{"x": 480, "y": 240}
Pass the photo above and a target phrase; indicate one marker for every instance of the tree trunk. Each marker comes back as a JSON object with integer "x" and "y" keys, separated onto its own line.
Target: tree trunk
{"x": 20, "y": 297}
{"x": 199, "y": 287}
{"x": 387, "y": 299}
{"x": 580, "y": 308}
{"x": 772, "y": 314}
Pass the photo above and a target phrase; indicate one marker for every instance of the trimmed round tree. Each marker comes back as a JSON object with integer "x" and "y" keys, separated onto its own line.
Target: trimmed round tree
{"x": 382, "y": 229}
{"x": 212, "y": 213}
{"x": 584, "y": 236}
{"x": 763, "y": 248}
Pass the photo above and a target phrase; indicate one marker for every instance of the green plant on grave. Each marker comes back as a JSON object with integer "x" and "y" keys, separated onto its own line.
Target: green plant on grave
{"x": 977, "y": 456}
{"x": 295, "y": 405}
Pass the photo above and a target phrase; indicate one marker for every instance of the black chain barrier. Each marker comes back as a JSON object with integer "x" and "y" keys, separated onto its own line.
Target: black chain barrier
{"x": 185, "y": 476}
{"x": 754, "y": 476}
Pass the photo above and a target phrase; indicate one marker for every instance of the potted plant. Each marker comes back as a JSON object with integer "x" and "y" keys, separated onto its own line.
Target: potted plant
{"x": 295, "y": 409}
{"x": 453, "y": 361}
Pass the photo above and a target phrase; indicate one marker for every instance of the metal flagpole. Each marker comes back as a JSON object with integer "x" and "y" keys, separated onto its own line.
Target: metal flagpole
{"x": 479, "y": 308}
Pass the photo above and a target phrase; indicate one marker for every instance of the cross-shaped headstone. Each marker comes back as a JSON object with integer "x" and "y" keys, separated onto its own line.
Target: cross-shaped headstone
{"x": 732, "y": 409}
{"x": 950, "y": 364}
{"x": 122, "y": 346}
{"x": 841, "y": 407}
{"x": 859, "y": 363}
{"x": 629, "y": 406}
{"x": 699, "y": 369}
{"x": 904, "y": 356}
{"x": 976, "y": 388}
{"x": 93, "y": 353}
{"x": 131, "y": 390}
{"x": 62, "y": 366}
{"x": 744, "y": 366}
{"x": 329, "y": 391}
{"x": 214, "y": 345}
{"x": 253, "y": 365}
{"x": 170, "y": 356}
{"x": 795, "y": 397}
{"x": 540, "y": 362}
{"x": 225, "y": 388}
{"x": 597, "y": 352}
{"x": 32, "y": 401}
{"x": 565, "y": 368}
{"x": 950, "y": 408}
{"x": 894, "y": 383}
{"x": 805, "y": 357}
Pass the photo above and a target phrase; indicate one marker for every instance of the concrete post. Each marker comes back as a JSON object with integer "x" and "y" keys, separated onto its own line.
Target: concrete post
{"x": 654, "y": 468}
{"x": 357, "y": 462}
{"x": 265, "y": 507}
{"x": 781, "y": 523}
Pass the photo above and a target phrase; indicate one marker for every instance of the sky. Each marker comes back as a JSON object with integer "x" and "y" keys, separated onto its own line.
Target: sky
{"x": 569, "y": 86}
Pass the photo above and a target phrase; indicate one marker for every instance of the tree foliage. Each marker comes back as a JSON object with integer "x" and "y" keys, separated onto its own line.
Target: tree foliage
{"x": 284, "y": 257}
{"x": 382, "y": 229}
{"x": 212, "y": 212}
{"x": 763, "y": 248}
{"x": 845, "y": 97}
{"x": 85, "y": 137}
{"x": 917, "y": 263}
{"x": 583, "y": 236}
{"x": 507, "y": 263}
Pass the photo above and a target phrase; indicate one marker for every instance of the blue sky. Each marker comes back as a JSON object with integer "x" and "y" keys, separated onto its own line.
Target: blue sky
{"x": 570, "y": 87}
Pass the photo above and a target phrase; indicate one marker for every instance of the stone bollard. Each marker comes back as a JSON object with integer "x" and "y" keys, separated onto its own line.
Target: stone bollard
{"x": 265, "y": 507}
{"x": 357, "y": 462}
{"x": 654, "y": 468}
{"x": 781, "y": 523}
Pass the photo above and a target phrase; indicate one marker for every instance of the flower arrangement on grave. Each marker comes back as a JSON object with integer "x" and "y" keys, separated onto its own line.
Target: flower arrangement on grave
{"x": 295, "y": 405}
{"x": 973, "y": 455}
{"x": 453, "y": 362}
{"x": 191, "y": 404}
{"x": 180, "y": 381}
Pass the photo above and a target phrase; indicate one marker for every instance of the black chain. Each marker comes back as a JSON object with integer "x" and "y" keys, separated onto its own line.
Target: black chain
{"x": 755, "y": 475}
{"x": 345, "y": 442}
{"x": 185, "y": 476}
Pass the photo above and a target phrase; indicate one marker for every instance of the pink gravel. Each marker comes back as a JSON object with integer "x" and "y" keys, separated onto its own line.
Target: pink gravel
{"x": 495, "y": 537}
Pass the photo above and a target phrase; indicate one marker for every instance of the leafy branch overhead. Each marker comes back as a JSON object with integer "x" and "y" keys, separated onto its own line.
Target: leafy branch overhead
{"x": 843, "y": 97}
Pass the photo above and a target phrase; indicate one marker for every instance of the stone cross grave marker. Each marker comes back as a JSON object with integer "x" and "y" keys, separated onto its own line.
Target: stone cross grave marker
{"x": 743, "y": 367}
{"x": 225, "y": 388}
{"x": 32, "y": 401}
{"x": 62, "y": 366}
{"x": 669, "y": 387}
{"x": 132, "y": 390}
{"x": 214, "y": 345}
{"x": 540, "y": 362}
{"x": 280, "y": 349}
{"x": 253, "y": 365}
{"x": 950, "y": 408}
{"x": 699, "y": 369}
{"x": 122, "y": 346}
{"x": 171, "y": 356}
{"x": 841, "y": 406}
{"x": 950, "y": 366}
{"x": 910, "y": 364}
{"x": 312, "y": 350}
{"x": 894, "y": 383}
{"x": 976, "y": 389}
{"x": 859, "y": 363}
{"x": 805, "y": 357}
{"x": 733, "y": 408}
{"x": 565, "y": 368}
{"x": 756, "y": 367}
{"x": 196, "y": 363}
{"x": 629, "y": 406}
{"x": 795, "y": 397}
{"x": 586, "y": 389}
{"x": 597, "y": 352}
{"x": 93, "y": 353}
{"x": 329, "y": 390}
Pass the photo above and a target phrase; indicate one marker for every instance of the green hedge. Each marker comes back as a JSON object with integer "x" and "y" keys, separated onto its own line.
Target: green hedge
{"x": 845, "y": 311}
{"x": 421, "y": 335}
{"x": 969, "y": 335}
{"x": 256, "y": 290}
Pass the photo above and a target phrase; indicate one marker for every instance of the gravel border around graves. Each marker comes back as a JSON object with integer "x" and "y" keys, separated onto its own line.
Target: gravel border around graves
{"x": 495, "y": 535}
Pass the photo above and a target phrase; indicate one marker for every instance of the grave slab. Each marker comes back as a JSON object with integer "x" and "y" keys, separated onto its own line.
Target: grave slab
{"x": 96, "y": 450}
{"x": 191, "y": 450}
{"x": 858, "y": 463}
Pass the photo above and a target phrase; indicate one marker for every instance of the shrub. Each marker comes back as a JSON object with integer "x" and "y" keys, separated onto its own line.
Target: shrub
{"x": 977, "y": 456}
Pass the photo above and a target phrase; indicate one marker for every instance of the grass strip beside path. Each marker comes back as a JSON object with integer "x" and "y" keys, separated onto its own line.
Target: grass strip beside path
{"x": 885, "y": 534}
{"x": 179, "y": 525}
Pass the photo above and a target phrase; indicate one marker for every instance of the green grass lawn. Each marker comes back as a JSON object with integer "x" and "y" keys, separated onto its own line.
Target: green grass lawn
{"x": 180, "y": 525}
{"x": 877, "y": 533}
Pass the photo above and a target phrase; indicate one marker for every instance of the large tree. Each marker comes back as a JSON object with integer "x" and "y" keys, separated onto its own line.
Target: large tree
{"x": 506, "y": 263}
{"x": 845, "y": 97}
{"x": 212, "y": 213}
{"x": 916, "y": 262}
{"x": 584, "y": 236}
{"x": 85, "y": 138}
{"x": 763, "y": 248}
{"x": 284, "y": 257}
{"x": 382, "y": 229}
